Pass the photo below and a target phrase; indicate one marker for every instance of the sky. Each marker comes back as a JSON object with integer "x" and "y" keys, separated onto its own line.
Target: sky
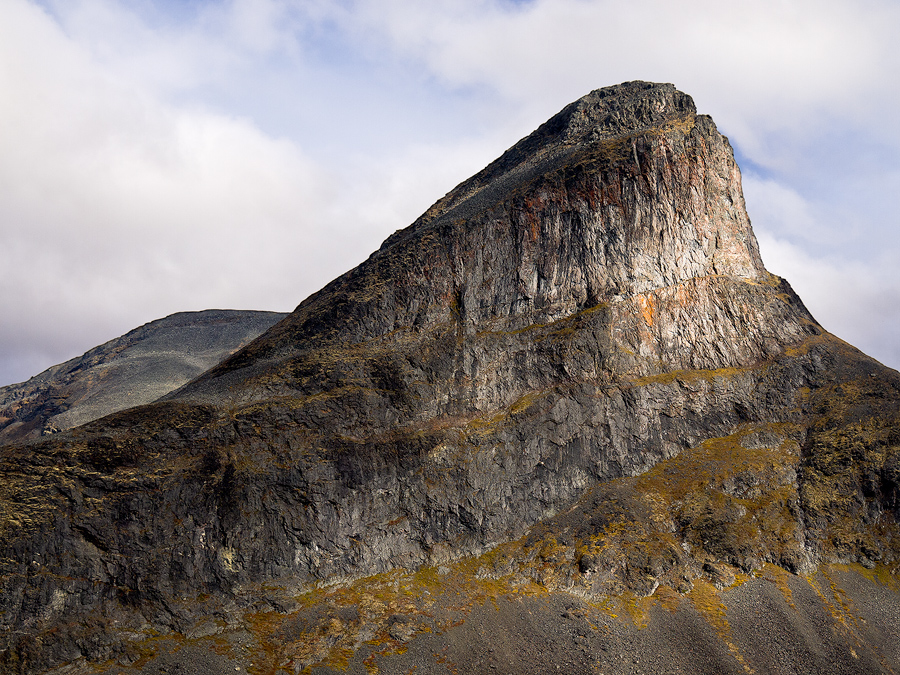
{"x": 159, "y": 156}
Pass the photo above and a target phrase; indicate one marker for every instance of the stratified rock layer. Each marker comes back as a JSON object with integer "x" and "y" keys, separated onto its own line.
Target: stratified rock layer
{"x": 588, "y": 307}
{"x": 137, "y": 368}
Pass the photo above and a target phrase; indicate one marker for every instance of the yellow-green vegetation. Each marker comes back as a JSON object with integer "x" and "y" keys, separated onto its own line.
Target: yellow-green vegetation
{"x": 734, "y": 501}
{"x": 729, "y": 502}
{"x": 853, "y": 454}
{"x": 772, "y": 281}
{"x": 838, "y": 603}
{"x": 492, "y": 421}
{"x": 564, "y": 327}
{"x": 690, "y": 523}
{"x": 23, "y": 504}
{"x": 832, "y": 600}
{"x": 823, "y": 339}
{"x": 333, "y": 623}
{"x": 706, "y": 600}
{"x": 778, "y": 576}
{"x": 884, "y": 575}
{"x": 684, "y": 124}
{"x": 689, "y": 376}
{"x": 638, "y": 609}
{"x": 620, "y": 543}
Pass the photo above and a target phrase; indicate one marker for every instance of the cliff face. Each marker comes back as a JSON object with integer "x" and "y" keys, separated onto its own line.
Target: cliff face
{"x": 131, "y": 370}
{"x": 590, "y": 306}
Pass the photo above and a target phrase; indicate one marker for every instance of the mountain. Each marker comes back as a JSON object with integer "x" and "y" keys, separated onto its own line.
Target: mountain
{"x": 131, "y": 370}
{"x": 565, "y": 421}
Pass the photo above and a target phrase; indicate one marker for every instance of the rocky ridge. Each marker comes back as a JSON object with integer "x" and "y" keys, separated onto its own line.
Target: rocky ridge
{"x": 572, "y": 375}
{"x": 136, "y": 368}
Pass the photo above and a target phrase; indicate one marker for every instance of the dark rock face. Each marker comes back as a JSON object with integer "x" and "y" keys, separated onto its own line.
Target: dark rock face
{"x": 137, "y": 368}
{"x": 590, "y": 306}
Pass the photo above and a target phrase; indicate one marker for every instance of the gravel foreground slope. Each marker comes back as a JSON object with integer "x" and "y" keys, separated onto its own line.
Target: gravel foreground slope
{"x": 841, "y": 620}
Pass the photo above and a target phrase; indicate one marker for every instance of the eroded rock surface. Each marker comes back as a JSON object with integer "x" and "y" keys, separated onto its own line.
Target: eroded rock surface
{"x": 581, "y": 340}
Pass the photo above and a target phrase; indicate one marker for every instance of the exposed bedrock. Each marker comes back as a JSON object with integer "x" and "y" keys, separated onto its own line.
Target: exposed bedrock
{"x": 591, "y": 304}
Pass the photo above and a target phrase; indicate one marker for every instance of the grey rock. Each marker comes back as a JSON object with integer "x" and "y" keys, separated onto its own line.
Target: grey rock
{"x": 590, "y": 306}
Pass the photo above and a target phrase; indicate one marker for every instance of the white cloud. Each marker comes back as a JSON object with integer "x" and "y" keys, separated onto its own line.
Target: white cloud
{"x": 118, "y": 207}
{"x": 800, "y": 53}
{"x": 780, "y": 208}
{"x": 857, "y": 301}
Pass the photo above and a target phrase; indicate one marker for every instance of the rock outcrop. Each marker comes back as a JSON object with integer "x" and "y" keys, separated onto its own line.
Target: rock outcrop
{"x": 576, "y": 355}
{"x": 136, "y": 368}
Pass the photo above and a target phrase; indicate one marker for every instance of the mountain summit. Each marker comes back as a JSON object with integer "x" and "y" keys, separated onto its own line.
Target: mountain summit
{"x": 572, "y": 378}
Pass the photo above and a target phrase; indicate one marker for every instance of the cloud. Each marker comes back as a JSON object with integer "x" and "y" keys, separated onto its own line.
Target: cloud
{"x": 856, "y": 298}
{"x": 799, "y": 54}
{"x": 119, "y": 206}
{"x": 857, "y": 301}
{"x": 781, "y": 208}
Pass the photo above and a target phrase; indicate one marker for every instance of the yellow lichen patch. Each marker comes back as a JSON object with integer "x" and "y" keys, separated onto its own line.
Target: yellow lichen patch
{"x": 149, "y": 648}
{"x": 524, "y": 402}
{"x": 715, "y": 460}
{"x": 779, "y": 576}
{"x": 767, "y": 279}
{"x": 842, "y": 608}
{"x": 689, "y": 376}
{"x": 489, "y": 422}
{"x": 850, "y": 441}
{"x": 391, "y": 647}
{"x": 706, "y": 601}
{"x": 638, "y": 610}
{"x": 667, "y": 598}
{"x": 684, "y": 125}
{"x": 879, "y": 574}
{"x": 298, "y": 402}
{"x": 835, "y": 605}
{"x": 804, "y": 347}
{"x": 265, "y": 651}
{"x": 516, "y": 331}
{"x": 560, "y": 327}
{"x": 843, "y": 600}
{"x": 326, "y": 640}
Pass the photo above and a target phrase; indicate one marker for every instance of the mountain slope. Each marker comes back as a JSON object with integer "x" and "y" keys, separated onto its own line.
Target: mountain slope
{"x": 134, "y": 369}
{"x": 572, "y": 375}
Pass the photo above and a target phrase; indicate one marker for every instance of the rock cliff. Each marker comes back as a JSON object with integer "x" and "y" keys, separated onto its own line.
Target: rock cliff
{"x": 134, "y": 369}
{"x": 571, "y": 375}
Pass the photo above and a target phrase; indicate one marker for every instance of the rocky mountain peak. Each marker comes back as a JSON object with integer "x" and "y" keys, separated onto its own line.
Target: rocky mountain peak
{"x": 625, "y": 196}
{"x": 607, "y": 117}
{"x": 615, "y": 111}
{"x": 571, "y": 376}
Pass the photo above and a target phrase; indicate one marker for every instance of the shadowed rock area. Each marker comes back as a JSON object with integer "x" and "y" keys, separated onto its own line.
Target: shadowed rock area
{"x": 131, "y": 370}
{"x": 570, "y": 384}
